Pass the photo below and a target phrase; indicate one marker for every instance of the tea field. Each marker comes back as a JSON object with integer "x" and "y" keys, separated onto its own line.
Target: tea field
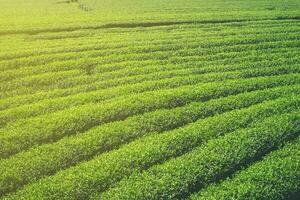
{"x": 139, "y": 99}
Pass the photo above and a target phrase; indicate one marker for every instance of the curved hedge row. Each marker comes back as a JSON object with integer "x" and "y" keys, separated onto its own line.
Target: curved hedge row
{"x": 48, "y": 159}
{"x": 119, "y": 54}
{"x": 255, "y": 61}
{"x": 99, "y": 96}
{"x": 167, "y": 100}
{"x": 106, "y": 42}
{"x": 210, "y": 162}
{"x": 105, "y": 170}
{"x": 38, "y": 83}
{"x": 26, "y": 133}
{"x": 275, "y": 177}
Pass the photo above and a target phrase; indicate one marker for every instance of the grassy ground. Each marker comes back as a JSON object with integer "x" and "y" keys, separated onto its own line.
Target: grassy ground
{"x": 181, "y": 99}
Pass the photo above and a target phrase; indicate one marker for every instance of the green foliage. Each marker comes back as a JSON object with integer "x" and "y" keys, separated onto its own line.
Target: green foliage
{"x": 275, "y": 177}
{"x": 88, "y": 67}
{"x": 26, "y": 133}
{"x": 48, "y": 159}
{"x": 21, "y": 112}
{"x": 218, "y": 158}
{"x": 139, "y": 99}
{"x": 107, "y": 169}
{"x": 103, "y": 81}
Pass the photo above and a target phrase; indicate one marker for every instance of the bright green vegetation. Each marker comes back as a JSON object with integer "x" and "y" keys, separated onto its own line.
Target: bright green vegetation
{"x": 113, "y": 135}
{"x": 257, "y": 182}
{"x": 138, "y": 99}
{"x": 149, "y": 150}
{"x": 206, "y": 163}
